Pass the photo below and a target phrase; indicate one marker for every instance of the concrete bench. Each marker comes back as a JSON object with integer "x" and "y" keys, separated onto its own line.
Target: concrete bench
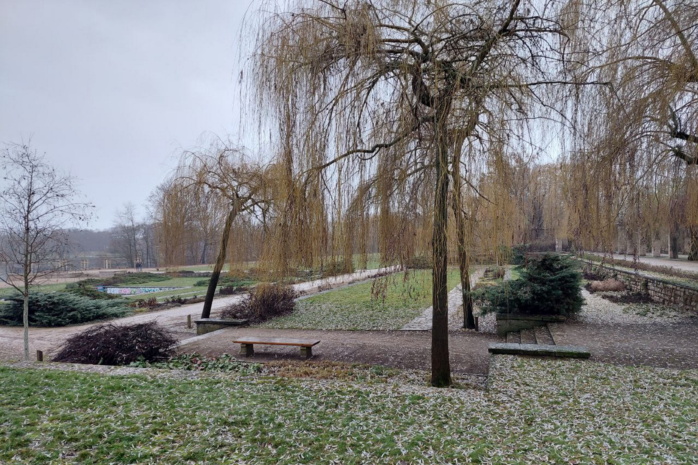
{"x": 207, "y": 325}
{"x": 247, "y": 344}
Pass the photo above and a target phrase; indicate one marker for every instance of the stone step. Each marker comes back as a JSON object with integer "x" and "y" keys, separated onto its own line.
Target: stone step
{"x": 514, "y": 337}
{"x": 540, "y": 350}
{"x": 543, "y": 336}
{"x": 528, "y": 336}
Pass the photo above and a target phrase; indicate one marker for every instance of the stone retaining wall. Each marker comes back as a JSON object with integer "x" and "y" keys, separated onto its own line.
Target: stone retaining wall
{"x": 663, "y": 292}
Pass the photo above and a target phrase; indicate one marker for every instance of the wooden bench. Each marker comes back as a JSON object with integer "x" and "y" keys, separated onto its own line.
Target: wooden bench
{"x": 247, "y": 344}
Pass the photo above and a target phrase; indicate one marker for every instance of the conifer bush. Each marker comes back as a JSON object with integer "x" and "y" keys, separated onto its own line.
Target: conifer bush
{"x": 419, "y": 262}
{"x": 549, "y": 285}
{"x": 61, "y": 309}
{"x": 110, "y": 344}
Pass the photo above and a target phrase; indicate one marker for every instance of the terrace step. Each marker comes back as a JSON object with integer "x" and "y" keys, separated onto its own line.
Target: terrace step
{"x": 540, "y": 350}
{"x": 543, "y": 335}
{"x": 514, "y": 337}
{"x": 528, "y": 336}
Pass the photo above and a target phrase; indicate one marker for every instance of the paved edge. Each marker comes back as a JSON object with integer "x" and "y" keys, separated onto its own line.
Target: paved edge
{"x": 542, "y": 350}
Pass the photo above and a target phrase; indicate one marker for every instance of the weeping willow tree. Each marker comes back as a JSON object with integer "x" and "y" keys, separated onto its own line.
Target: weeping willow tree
{"x": 221, "y": 183}
{"x": 692, "y": 212}
{"x": 188, "y": 222}
{"x": 647, "y": 119}
{"x": 169, "y": 203}
{"x": 397, "y": 86}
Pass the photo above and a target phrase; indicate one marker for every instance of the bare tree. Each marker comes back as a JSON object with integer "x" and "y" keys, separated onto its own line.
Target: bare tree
{"x": 37, "y": 204}
{"x": 126, "y": 235}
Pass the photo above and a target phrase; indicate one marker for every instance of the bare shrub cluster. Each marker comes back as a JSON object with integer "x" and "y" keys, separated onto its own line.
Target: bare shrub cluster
{"x": 264, "y": 302}
{"x": 110, "y": 344}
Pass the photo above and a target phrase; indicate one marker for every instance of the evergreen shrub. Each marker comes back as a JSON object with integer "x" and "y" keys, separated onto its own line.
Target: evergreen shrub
{"x": 419, "y": 262}
{"x": 518, "y": 254}
{"x": 549, "y": 285}
{"x": 60, "y": 309}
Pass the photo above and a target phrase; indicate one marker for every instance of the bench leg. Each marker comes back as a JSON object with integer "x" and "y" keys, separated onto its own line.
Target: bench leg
{"x": 306, "y": 352}
{"x": 246, "y": 350}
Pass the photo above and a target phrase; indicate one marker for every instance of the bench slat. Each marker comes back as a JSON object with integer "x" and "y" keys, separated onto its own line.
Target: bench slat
{"x": 276, "y": 341}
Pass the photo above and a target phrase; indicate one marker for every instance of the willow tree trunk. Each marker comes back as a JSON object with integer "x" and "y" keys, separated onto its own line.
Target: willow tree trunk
{"x": 674, "y": 242}
{"x": 463, "y": 265}
{"x": 693, "y": 253}
{"x": 220, "y": 261}
{"x": 440, "y": 364}
{"x": 468, "y": 317}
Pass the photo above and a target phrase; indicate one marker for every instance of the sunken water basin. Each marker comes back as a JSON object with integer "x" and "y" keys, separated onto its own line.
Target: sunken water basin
{"x": 135, "y": 290}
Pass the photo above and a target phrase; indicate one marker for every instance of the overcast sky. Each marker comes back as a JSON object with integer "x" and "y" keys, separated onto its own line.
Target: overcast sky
{"x": 112, "y": 91}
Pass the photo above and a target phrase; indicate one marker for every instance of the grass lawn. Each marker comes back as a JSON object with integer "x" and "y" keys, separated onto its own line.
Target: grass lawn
{"x": 357, "y": 308}
{"x": 515, "y": 274}
{"x": 536, "y": 411}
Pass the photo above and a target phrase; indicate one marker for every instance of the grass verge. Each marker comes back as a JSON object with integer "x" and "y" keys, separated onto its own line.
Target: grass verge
{"x": 385, "y": 303}
{"x": 536, "y": 411}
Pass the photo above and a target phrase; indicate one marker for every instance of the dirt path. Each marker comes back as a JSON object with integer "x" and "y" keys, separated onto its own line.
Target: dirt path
{"x": 660, "y": 345}
{"x": 399, "y": 349}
